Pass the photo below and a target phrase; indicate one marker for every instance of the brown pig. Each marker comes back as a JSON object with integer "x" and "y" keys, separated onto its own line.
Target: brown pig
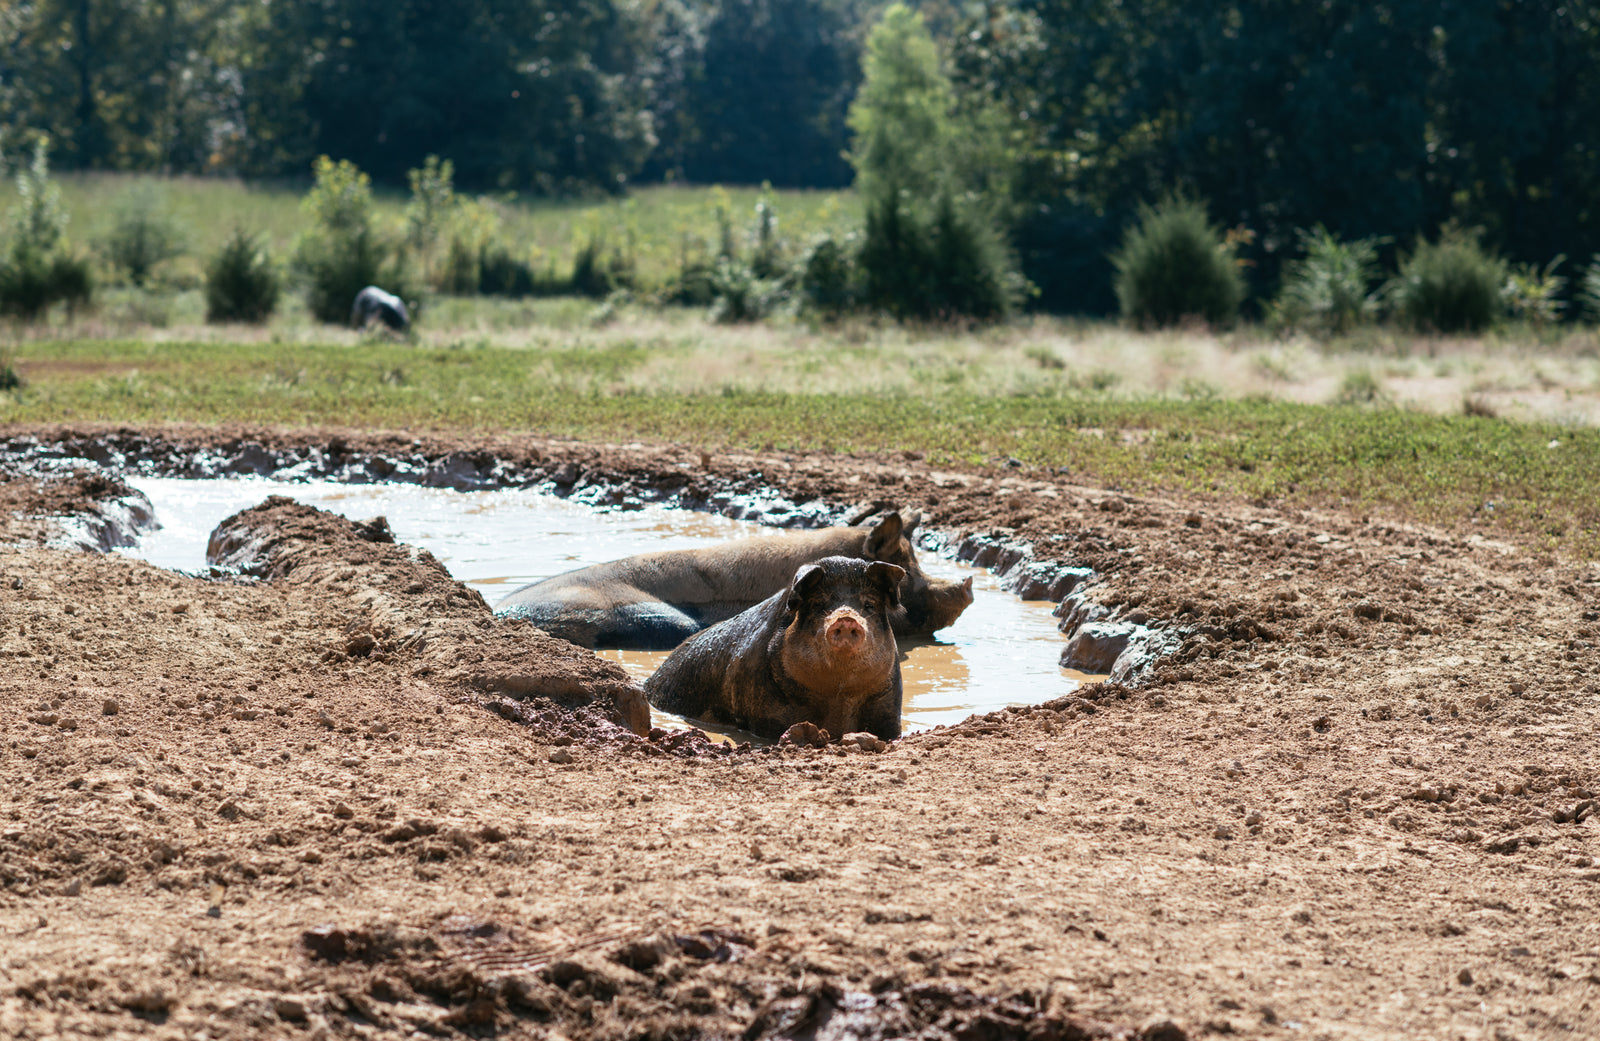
{"x": 654, "y": 601}
{"x": 819, "y": 651}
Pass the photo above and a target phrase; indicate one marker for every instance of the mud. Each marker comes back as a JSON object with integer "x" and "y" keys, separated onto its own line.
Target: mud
{"x": 1344, "y": 786}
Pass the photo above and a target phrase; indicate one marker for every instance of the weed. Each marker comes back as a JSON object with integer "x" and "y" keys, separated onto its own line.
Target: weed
{"x": 1044, "y": 357}
{"x": 1533, "y": 294}
{"x": 1360, "y": 387}
{"x": 1328, "y": 290}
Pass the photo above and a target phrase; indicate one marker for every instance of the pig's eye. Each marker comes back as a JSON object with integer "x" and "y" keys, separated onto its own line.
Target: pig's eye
{"x": 870, "y": 602}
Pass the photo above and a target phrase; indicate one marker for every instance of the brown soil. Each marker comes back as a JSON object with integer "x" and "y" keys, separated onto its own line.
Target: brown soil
{"x": 342, "y": 800}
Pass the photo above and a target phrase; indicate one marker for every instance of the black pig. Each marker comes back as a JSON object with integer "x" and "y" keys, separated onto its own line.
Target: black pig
{"x": 373, "y": 304}
{"x": 821, "y": 651}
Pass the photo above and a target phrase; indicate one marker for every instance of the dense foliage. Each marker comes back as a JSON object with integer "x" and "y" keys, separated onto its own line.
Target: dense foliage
{"x": 1058, "y": 119}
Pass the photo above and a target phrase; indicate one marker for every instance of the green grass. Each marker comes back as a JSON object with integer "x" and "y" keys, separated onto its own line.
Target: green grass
{"x": 657, "y": 222}
{"x": 1530, "y": 481}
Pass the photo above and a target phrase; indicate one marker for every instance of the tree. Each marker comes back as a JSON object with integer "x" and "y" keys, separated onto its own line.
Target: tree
{"x": 759, "y": 93}
{"x": 519, "y": 94}
{"x": 902, "y": 116}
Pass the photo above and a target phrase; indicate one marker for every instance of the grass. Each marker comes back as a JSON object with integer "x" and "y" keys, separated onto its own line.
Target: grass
{"x": 1532, "y": 481}
{"x": 657, "y": 222}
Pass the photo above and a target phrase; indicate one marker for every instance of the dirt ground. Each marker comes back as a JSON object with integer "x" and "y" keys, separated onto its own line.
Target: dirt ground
{"x": 330, "y": 796}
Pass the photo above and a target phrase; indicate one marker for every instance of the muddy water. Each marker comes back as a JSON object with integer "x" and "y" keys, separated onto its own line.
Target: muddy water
{"x": 1003, "y": 651}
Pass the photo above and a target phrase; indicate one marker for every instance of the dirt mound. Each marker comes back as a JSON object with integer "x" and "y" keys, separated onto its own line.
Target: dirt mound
{"x": 405, "y": 608}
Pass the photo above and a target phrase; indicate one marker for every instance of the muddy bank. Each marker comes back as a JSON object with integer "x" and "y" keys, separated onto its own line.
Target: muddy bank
{"x": 778, "y": 493}
{"x": 1357, "y": 799}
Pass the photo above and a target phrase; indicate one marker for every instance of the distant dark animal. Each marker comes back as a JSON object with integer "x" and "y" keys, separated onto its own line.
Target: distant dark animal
{"x": 373, "y": 303}
{"x": 654, "y": 601}
{"x": 821, "y": 651}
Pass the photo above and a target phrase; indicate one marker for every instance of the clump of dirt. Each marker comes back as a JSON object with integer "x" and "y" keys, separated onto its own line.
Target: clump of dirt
{"x": 1357, "y": 796}
{"x": 405, "y": 608}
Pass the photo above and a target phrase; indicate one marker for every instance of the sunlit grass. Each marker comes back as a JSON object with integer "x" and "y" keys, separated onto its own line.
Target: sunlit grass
{"x": 968, "y": 398}
{"x": 655, "y": 223}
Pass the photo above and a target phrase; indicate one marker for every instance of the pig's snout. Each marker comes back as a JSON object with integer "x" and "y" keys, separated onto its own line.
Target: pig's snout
{"x": 846, "y": 631}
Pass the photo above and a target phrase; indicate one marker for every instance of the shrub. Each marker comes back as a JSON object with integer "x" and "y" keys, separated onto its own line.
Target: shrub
{"x": 1328, "y": 289}
{"x": 143, "y": 234}
{"x": 30, "y": 282}
{"x": 598, "y": 272}
{"x": 1589, "y": 290}
{"x": 740, "y": 294}
{"x": 241, "y": 283}
{"x": 38, "y": 267}
{"x": 1449, "y": 286}
{"x": 827, "y": 279}
{"x": 945, "y": 265}
{"x": 1533, "y": 294}
{"x": 1174, "y": 265}
{"x": 344, "y": 251}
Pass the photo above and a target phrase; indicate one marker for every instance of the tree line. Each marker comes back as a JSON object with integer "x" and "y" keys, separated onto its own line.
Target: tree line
{"x": 1043, "y": 125}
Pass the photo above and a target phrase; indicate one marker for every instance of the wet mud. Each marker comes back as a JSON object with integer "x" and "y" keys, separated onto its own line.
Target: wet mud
{"x": 1342, "y": 782}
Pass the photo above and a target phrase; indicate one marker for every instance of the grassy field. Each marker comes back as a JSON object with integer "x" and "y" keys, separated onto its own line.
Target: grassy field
{"x": 960, "y": 397}
{"x": 1498, "y": 432}
{"x": 655, "y": 222}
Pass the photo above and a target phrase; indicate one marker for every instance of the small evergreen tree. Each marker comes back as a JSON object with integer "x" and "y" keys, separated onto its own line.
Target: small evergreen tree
{"x": 38, "y": 267}
{"x": 241, "y": 283}
{"x": 929, "y": 248}
{"x": 143, "y": 234}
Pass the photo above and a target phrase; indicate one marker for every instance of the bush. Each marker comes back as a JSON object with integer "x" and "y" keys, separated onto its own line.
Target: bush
{"x": 740, "y": 294}
{"x": 827, "y": 279}
{"x": 946, "y": 265}
{"x": 1175, "y": 265}
{"x": 241, "y": 283}
{"x": 1449, "y": 286}
{"x": 1589, "y": 290}
{"x": 1328, "y": 289}
{"x": 344, "y": 251}
{"x": 1533, "y": 294}
{"x": 30, "y": 282}
{"x": 143, "y": 234}
{"x": 38, "y": 267}
{"x": 598, "y": 272}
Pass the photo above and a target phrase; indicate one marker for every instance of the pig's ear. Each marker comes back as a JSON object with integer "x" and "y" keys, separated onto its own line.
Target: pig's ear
{"x": 806, "y": 576}
{"x": 913, "y": 518}
{"x": 888, "y": 577}
{"x": 883, "y": 538}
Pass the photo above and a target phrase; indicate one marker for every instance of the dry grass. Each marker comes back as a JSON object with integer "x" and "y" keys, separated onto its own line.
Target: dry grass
{"x": 1553, "y": 379}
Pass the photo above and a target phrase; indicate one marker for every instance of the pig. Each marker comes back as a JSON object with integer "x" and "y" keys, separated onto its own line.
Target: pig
{"x": 373, "y": 304}
{"x": 821, "y": 651}
{"x": 654, "y": 601}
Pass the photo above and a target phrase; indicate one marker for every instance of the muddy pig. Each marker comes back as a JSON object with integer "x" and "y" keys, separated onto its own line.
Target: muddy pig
{"x": 820, "y": 651}
{"x": 654, "y": 601}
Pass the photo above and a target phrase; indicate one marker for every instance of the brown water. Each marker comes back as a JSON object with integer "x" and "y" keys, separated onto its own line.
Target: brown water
{"x": 1002, "y": 651}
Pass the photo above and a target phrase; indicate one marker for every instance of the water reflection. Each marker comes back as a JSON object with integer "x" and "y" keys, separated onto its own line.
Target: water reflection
{"x": 1002, "y": 651}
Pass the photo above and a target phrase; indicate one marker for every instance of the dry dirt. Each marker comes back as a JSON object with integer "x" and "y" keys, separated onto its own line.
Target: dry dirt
{"x": 338, "y": 799}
